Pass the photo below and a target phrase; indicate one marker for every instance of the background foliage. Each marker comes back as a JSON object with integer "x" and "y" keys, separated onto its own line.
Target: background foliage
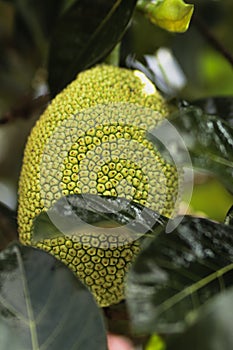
{"x": 194, "y": 68}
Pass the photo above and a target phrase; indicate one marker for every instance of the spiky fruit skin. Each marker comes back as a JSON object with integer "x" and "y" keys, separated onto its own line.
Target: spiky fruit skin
{"x": 92, "y": 139}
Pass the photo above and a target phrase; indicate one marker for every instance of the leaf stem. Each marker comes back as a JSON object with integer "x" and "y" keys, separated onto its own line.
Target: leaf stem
{"x": 29, "y": 307}
{"x": 168, "y": 303}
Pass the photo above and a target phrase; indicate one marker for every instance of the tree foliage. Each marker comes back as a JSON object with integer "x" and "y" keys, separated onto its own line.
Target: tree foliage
{"x": 179, "y": 289}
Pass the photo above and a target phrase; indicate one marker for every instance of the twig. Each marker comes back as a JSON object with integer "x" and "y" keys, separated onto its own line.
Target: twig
{"x": 211, "y": 38}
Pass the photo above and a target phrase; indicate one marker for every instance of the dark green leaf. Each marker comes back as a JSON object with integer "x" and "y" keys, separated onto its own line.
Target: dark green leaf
{"x": 155, "y": 343}
{"x": 75, "y": 214}
{"x": 209, "y": 141}
{"x": 213, "y": 328}
{"x": 229, "y": 217}
{"x": 84, "y": 35}
{"x": 33, "y": 24}
{"x": 220, "y": 106}
{"x": 44, "y": 306}
{"x": 45, "y": 13}
{"x": 178, "y": 272}
{"x": 8, "y": 226}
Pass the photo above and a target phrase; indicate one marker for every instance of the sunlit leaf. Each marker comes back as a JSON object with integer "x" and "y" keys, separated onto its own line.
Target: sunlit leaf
{"x": 162, "y": 69}
{"x": 84, "y": 35}
{"x": 8, "y": 226}
{"x": 77, "y": 214}
{"x": 44, "y": 306}
{"x": 155, "y": 343}
{"x": 166, "y": 71}
{"x": 212, "y": 330}
{"x": 172, "y": 15}
{"x": 176, "y": 273}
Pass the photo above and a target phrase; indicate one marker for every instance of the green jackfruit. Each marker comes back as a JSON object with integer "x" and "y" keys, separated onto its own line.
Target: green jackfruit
{"x": 92, "y": 139}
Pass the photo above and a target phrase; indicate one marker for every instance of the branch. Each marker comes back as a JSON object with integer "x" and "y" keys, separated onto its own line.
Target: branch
{"x": 211, "y": 38}
{"x": 25, "y": 108}
{"x": 118, "y": 322}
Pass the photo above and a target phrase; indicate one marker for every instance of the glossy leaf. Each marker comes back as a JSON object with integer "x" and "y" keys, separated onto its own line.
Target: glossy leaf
{"x": 8, "y": 226}
{"x": 176, "y": 273}
{"x": 77, "y": 214}
{"x": 220, "y": 106}
{"x": 229, "y": 217}
{"x": 172, "y": 15}
{"x": 212, "y": 330}
{"x": 162, "y": 69}
{"x": 44, "y": 306}
{"x": 167, "y": 70}
{"x": 209, "y": 141}
{"x": 84, "y": 35}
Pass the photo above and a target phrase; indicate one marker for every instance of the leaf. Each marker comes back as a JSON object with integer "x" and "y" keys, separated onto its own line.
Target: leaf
{"x": 8, "y": 226}
{"x": 162, "y": 69}
{"x": 209, "y": 141}
{"x": 155, "y": 343}
{"x": 220, "y": 106}
{"x": 33, "y": 24}
{"x": 229, "y": 217}
{"x": 79, "y": 214}
{"x": 176, "y": 273}
{"x": 44, "y": 13}
{"x": 84, "y": 35}
{"x": 172, "y": 15}
{"x": 167, "y": 71}
{"x": 44, "y": 306}
{"x": 47, "y": 12}
{"x": 212, "y": 329}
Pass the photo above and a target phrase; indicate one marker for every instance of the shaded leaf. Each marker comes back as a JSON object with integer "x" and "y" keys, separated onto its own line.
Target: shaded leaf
{"x": 229, "y": 217}
{"x": 77, "y": 214}
{"x": 28, "y": 27}
{"x": 47, "y": 12}
{"x": 212, "y": 329}
{"x": 8, "y": 226}
{"x": 44, "y": 306}
{"x": 84, "y": 35}
{"x": 209, "y": 141}
{"x": 220, "y": 106}
{"x": 176, "y": 273}
{"x": 43, "y": 13}
{"x": 172, "y": 15}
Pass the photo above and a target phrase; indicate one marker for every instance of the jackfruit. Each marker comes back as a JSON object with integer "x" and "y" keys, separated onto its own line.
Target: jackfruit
{"x": 92, "y": 138}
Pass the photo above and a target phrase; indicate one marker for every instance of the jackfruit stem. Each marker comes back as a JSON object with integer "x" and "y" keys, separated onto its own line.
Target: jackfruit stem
{"x": 113, "y": 58}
